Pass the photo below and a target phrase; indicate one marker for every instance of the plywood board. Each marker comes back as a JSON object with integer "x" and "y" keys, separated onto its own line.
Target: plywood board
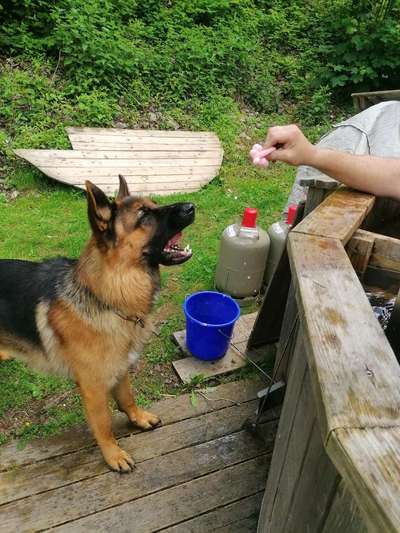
{"x": 153, "y": 162}
{"x": 190, "y": 366}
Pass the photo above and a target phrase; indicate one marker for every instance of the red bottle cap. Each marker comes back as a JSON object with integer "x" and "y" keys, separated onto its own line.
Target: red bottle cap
{"x": 291, "y": 214}
{"x": 249, "y": 219}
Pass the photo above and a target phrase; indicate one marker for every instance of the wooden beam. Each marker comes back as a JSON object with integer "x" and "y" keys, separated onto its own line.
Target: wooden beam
{"x": 385, "y": 253}
{"x": 338, "y": 216}
{"x": 356, "y": 375}
{"x": 359, "y": 250}
{"x": 369, "y": 461}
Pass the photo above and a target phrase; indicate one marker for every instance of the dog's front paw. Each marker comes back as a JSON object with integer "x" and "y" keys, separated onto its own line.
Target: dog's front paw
{"x": 117, "y": 459}
{"x": 146, "y": 420}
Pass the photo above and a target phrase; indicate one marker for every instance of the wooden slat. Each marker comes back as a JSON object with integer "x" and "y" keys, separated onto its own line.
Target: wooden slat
{"x": 296, "y": 379}
{"x": 240, "y": 517}
{"x": 385, "y": 253}
{"x": 190, "y": 366}
{"x": 163, "y": 509}
{"x": 66, "y": 157}
{"x": 64, "y": 162}
{"x": 344, "y": 515}
{"x": 72, "y": 131}
{"x": 170, "y": 410}
{"x": 144, "y": 176}
{"x": 95, "y": 494}
{"x": 338, "y": 216}
{"x": 118, "y": 138}
{"x": 388, "y": 94}
{"x": 316, "y": 484}
{"x": 298, "y": 445}
{"x": 56, "y": 472}
{"x": 359, "y": 250}
{"x": 287, "y": 338}
{"x": 322, "y": 181}
{"x": 356, "y": 376}
{"x": 369, "y": 461}
{"x": 147, "y": 147}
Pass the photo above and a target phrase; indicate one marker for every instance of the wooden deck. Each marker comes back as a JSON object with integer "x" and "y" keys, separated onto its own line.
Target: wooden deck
{"x": 199, "y": 472}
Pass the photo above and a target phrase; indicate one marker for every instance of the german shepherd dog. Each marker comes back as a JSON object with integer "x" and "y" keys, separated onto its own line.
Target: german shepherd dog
{"x": 89, "y": 318}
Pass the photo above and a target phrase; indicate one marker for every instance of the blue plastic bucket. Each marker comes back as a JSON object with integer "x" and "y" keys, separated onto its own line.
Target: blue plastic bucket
{"x": 210, "y": 317}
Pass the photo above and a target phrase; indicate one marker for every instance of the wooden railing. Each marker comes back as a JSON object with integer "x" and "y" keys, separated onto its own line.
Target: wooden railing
{"x": 336, "y": 462}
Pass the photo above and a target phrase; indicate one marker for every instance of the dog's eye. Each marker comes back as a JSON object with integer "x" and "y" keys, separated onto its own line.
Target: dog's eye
{"x": 144, "y": 215}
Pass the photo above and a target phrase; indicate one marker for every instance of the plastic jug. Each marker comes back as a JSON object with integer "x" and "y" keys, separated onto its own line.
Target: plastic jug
{"x": 242, "y": 257}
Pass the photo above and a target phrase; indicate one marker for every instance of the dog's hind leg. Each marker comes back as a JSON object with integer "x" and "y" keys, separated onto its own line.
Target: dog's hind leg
{"x": 125, "y": 399}
{"x": 95, "y": 400}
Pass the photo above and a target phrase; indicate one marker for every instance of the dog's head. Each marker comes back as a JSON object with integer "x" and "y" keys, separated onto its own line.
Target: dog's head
{"x": 136, "y": 229}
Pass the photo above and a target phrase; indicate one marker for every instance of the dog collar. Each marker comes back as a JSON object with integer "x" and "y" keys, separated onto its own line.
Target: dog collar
{"x": 135, "y": 319}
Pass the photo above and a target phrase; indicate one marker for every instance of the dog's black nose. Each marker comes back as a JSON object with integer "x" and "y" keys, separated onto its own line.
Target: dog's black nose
{"x": 187, "y": 209}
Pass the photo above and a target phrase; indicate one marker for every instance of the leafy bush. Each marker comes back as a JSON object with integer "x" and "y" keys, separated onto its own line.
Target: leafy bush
{"x": 267, "y": 54}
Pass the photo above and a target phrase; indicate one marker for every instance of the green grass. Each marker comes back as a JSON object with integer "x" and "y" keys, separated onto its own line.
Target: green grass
{"x": 48, "y": 219}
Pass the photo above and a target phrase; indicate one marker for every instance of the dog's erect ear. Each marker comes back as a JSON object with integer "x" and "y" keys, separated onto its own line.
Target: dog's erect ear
{"x": 99, "y": 208}
{"x": 123, "y": 188}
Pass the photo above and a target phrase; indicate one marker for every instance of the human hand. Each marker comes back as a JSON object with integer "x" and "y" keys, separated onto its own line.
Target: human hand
{"x": 291, "y": 146}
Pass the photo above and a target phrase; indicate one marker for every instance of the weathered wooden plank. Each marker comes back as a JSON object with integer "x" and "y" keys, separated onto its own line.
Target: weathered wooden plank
{"x": 190, "y": 366}
{"x": 240, "y": 516}
{"x": 298, "y": 445}
{"x": 385, "y": 252}
{"x": 268, "y": 324}
{"x": 236, "y": 357}
{"x": 322, "y": 181}
{"x": 359, "y": 250}
{"x": 315, "y": 196}
{"x": 247, "y": 525}
{"x": 95, "y": 494}
{"x": 87, "y": 160}
{"x": 392, "y": 94}
{"x": 152, "y": 175}
{"x": 287, "y": 338}
{"x": 364, "y": 100}
{"x": 88, "y": 165}
{"x": 160, "y": 144}
{"x": 59, "y": 471}
{"x": 47, "y": 157}
{"x": 72, "y": 131}
{"x": 166, "y": 508}
{"x": 355, "y": 376}
{"x": 338, "y": 216}
{"x": 344, "y": 515}
{"x": 369, "y": 461}
{"x": 296, "y": 379}
{"x": 170, "y": 410}
{"x": 176, "y": 140}
{"x": 315, "y": 486}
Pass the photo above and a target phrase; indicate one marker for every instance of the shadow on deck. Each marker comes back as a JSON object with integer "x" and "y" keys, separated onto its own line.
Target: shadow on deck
{"x": 199, "y": 472}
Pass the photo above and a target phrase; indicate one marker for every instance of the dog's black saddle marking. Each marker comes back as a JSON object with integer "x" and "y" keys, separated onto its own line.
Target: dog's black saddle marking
{"x": 23, "y": 285}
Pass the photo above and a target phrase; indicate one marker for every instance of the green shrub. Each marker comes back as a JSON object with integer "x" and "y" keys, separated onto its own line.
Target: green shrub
{"x": 270, "y": 55}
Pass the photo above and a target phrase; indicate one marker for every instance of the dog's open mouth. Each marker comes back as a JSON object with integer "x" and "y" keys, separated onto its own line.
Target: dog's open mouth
{"x": 173, "y": 253}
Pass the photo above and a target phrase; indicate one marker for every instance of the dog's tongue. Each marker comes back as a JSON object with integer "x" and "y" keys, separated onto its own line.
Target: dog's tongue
{"x": 174, "y": 239}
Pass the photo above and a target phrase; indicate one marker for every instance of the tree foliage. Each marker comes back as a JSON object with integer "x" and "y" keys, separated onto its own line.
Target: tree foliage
{"x": 264, "y": 53}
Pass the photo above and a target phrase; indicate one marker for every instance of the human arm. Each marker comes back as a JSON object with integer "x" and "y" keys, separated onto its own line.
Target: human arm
{"x": 377, "y": 175}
